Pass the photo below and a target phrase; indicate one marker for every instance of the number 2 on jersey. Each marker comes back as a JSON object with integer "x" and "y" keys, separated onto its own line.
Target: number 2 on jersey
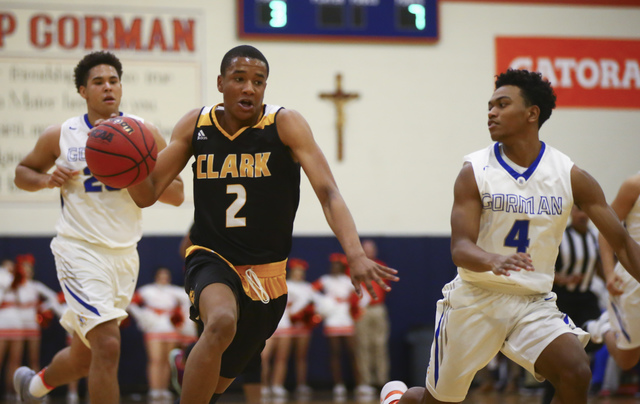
{"x": 518, "y": 236}
{"x": 234, "y": 208}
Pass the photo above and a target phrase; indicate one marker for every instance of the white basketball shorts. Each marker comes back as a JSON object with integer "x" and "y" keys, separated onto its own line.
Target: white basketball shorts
{"x": 624, "y": 311}
{"x": 97, "y": 282}
{"x": 474, "y": 324}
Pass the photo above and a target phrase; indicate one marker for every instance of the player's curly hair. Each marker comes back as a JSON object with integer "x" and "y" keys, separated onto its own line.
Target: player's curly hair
{"x": 246, "y": 51}
{"x": 534, "y": 89}
{"x": 91, "y": 60}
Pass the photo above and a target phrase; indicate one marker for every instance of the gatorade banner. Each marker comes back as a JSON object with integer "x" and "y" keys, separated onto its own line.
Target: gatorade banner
{"x": 592, "y": 73}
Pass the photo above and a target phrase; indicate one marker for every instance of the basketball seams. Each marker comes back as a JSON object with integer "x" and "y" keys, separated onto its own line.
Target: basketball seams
{"x": 124, "y": 134}
{"x": 134, "y": 166}
{"x": 118, "y": 154}
{"x": 144, "y": 140}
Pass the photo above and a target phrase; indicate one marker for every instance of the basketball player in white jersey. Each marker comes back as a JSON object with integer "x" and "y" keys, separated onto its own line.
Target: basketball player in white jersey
{"x": 95, "y": 247}
{"x": 511, "y": 203}
{"x": 619, "y": 326}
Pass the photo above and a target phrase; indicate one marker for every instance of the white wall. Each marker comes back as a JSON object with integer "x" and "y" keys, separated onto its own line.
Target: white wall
{"x": 421, "y": 108}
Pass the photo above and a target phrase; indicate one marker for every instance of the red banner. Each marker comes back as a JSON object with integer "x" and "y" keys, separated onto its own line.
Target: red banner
{"x": 601, "y": 73}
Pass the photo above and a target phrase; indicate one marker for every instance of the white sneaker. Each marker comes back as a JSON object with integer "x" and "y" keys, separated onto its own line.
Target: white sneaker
{"x": 392, "y": 392}
{"x": 21, "y": 381}
{"x": 166, "y": 394}
{"x": 339, "y": 392}
{"x": 279, "y": 391}
{"x": 155, "y": 394}
{"x": 365, "y": 390}
{"x": 72, "y": 398}
{"x": 597, "y": 328}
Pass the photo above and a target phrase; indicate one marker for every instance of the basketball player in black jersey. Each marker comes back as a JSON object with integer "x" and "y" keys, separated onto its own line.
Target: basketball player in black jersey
{"x": 246, "y": 190}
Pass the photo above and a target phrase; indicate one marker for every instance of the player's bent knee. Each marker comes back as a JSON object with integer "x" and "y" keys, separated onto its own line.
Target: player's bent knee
{"x": 220, "y": 331}
{"x": 577, "y": 377}
{"x": 106, "y": 348}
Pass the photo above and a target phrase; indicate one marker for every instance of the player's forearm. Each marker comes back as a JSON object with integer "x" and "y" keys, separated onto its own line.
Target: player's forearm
{"x": 343, "y": 226}
{"x": 30, "y": 180}
{"x": 174, "y": 194}
{"x": 606, "y": 257}
{"x": 145, "y": 193}
{"x": 466, "y": 254}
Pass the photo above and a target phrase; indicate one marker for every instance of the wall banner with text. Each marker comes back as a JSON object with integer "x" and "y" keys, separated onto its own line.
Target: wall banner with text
{"x": 591, "y": 73}
{"x": 161, "y": 50}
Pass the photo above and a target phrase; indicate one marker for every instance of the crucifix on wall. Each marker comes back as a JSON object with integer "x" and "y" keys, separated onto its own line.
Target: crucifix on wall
{"x": 339, "y": 98}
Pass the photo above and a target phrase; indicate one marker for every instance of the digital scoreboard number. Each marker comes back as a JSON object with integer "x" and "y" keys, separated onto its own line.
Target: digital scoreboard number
{"x": 339, "y": 20}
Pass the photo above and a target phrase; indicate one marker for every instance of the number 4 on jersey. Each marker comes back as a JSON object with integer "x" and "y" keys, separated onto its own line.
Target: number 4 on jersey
{"x": 518, "y": 236}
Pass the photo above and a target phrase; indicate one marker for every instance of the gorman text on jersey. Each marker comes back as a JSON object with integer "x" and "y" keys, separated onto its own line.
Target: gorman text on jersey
{"x": 533, "y": 205}
{"x": 234, "y": 166}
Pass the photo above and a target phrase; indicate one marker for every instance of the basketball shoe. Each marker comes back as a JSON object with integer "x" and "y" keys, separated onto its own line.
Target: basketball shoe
{"x": 392, "y": 392}
{"x": 598, "y": 327}
{"x": 21, "y": 381}
{"x": 176, "y": 362}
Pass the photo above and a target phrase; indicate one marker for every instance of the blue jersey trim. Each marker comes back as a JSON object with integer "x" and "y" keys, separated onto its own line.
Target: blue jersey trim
{"x": 527, "y": 174}
{"x": 86, "y": 120}
{"x": 619, "y": 319}
{"x": 436, "y": 360}
{"x": 85, "y": 304}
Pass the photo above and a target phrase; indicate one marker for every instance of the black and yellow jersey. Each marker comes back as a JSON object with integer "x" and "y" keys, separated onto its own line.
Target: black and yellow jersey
{"x": 246, "y": 189}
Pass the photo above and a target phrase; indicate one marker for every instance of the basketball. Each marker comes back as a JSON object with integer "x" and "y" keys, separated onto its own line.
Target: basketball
{"x": 121, "y": 152}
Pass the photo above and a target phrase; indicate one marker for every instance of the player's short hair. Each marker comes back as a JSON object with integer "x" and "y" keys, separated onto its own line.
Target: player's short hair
{"x": 535, "y": 90}
{"x": 246, "y": 51}
{"x": 91, "y": 60}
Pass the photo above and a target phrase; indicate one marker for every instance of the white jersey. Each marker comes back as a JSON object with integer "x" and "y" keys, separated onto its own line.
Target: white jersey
{"x": 91, "y": 211}
{"x": 522, "y": 212}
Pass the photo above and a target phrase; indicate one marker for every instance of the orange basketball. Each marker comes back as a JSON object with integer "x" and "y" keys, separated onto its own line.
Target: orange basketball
{"x": 121, "y": 152}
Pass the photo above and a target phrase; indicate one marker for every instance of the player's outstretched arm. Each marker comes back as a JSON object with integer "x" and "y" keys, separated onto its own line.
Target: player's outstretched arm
{"x": 174, "y": 194}
{"x": 296, "y": 134}
{"x": 170, "y": 163}
{"x": 621, "y": 205}
{"x": 32, "y": 172}
{"x": 588, "y": 195}
{"x": 465, "y": 227}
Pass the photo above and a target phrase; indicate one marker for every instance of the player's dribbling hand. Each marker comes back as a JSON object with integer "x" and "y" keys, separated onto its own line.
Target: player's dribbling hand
{"x": 364, "y": 271}
{"x": 59, "y": 176}
{"x": 514, "y": 262}
{"x": 99, "y": 121}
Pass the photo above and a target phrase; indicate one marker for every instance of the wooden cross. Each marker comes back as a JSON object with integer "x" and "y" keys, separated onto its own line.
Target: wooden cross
{"x": 339, "y": 98}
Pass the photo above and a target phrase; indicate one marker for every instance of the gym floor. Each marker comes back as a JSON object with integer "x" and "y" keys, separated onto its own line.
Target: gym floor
{"x": 326, "y": 398}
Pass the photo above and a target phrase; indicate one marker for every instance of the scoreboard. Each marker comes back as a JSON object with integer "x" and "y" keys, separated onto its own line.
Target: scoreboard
{"x": 339, "y": 20}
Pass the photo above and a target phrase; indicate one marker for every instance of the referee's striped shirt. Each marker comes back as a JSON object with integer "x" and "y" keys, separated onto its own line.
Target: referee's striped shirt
{"x": 578, "y": 255}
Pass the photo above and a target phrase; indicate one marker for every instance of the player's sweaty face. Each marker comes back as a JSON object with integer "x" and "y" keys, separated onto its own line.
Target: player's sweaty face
{"x": 103, "y": 91}
{"x": 243, "y": 86}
